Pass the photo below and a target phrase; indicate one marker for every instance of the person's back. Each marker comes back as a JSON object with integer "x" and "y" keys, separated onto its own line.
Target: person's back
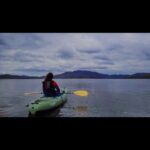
{"x": 50, "y": 87}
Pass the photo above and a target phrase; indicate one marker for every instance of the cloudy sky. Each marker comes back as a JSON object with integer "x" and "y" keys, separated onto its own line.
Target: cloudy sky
{"x": 39, "y": 53}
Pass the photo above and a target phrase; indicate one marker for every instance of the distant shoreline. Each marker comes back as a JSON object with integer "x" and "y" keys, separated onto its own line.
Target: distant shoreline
{"x": 80, "y": 74}
{"x": 74, "y": 78}
{"x": 70, "y": 78}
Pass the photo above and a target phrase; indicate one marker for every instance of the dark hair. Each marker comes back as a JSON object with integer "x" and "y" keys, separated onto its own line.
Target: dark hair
{"x": 49, "y": 76}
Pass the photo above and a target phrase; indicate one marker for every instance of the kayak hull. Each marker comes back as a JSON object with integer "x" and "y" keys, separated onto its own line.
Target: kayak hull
{"x": 47, "y": 103}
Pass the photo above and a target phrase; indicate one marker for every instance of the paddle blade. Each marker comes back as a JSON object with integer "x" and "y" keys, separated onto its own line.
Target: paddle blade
{"x": 81, "y": 93}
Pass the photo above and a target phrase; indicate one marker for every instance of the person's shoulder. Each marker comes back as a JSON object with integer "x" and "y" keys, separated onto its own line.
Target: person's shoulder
{"x": 54, "y": 82}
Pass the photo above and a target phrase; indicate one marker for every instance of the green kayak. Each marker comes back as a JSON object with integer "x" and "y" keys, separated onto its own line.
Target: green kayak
{"x": 47, "y": 103}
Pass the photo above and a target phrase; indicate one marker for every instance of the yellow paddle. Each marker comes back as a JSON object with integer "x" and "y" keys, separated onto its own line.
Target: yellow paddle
{"x": 78, "y": 93}
{"x": 81, "y": 93}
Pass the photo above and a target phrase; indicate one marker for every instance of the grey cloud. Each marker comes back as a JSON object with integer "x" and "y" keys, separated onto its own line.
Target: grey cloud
{"x": 21, "y": 57}
{"x": 65, "y": 54}
{"x": 103, "y": 50}
{"x": 93, "y": 68}
{"x": 33, "y": 70}
{"x": 146, "y": 55}
{"x": 89, "y": 51}
{"x": 5, "y": 58}
{"x": 27, "y": 57}
{"x": 104, "y": 60}
{"x": 115, "y": 47}
{"x": 39, "y": 71}
{"x": 107, "y": 63}
{"x": 2, "y": 42}
{"x": 10, "y": 41}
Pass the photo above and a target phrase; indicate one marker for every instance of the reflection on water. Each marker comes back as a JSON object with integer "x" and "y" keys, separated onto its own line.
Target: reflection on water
{"x": 81, "y": 109}
{"x": 107, "y": 98}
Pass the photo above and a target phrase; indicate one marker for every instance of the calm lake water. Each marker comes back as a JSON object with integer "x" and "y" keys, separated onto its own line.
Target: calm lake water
{"x": 107, "y": 97}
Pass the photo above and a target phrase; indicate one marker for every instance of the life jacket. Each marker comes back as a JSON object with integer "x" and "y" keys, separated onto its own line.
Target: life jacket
{"x": 49, "y": 88}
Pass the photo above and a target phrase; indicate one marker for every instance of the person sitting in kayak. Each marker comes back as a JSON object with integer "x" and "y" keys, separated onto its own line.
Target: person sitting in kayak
{"x": 50, "y": 87}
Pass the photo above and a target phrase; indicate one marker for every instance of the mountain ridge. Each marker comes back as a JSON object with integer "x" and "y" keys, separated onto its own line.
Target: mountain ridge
{"x": 81, "y": 74}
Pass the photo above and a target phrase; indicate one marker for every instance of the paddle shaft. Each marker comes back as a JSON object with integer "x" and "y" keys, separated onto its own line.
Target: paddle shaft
{"x": 78, "y": 92}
